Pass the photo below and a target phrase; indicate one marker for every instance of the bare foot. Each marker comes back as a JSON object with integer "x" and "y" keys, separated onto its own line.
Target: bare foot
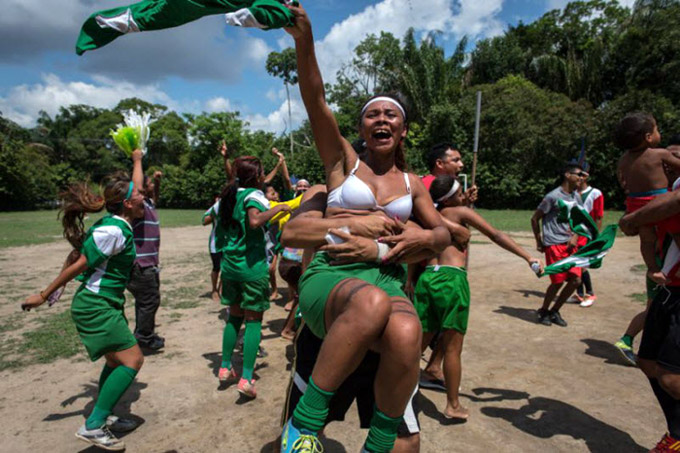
{"x": 288, "y": 306}
{"x": 288, "y": 334}
{"x": 215, "y": 296}
{"x": 458, "y": 413}
{"x": 275, "y": 295}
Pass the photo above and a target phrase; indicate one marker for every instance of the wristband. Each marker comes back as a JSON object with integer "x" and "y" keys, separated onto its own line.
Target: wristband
{"x": 42, "y": 296}
{"x": 383, "y": 250}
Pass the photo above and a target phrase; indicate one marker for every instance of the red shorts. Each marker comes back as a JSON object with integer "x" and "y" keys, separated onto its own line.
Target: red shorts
{"x": 582, "y": 240}
{"x": 554, "y": 253}
{"x": 670, "y": 225}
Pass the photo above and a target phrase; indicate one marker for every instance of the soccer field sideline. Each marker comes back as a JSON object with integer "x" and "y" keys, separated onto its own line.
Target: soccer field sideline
{"x": 39, "y": 227}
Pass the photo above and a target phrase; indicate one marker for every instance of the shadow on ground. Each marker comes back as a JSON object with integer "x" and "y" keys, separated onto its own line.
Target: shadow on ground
{"x": 89, "y": 392}
{"x": 547, "y": 417}
{"x": 525, "y": 314}
{"x": 604, "y": 350}
{"x": 527, "y": 293}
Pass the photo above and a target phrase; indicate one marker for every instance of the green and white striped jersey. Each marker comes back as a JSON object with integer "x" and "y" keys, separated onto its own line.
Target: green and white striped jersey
{"x": 244, "y": 257}
{"x": 110, "y": 252}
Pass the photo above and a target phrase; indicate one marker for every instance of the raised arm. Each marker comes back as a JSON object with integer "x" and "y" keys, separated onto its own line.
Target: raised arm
{"x": 157, "y": 177}
{"x": 137, "y": 169}
{"x": 331, "y": 145}
{"x": 66, "y": 275}
{"x": 284, "y": 170}
{"x": 473, "y": 219}
{"x": 225, "y": 156}
{"x": 272, "y": 174}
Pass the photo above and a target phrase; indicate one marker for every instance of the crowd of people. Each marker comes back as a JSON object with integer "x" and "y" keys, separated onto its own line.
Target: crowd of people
{"x": 375, "y": 259}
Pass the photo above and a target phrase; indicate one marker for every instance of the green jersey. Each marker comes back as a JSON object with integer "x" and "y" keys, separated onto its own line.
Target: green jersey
{"x": 243, "y": 252}
{"x": 110, "y": 252}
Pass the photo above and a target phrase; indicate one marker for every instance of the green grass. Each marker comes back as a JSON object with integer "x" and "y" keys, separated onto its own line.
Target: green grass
{"x": 639, "y": 269}
{"x": 638, "y": 297}
{"x": 39, "y": 227}
{"x": 520, "y": 221}
{"x": 55, "y": 337}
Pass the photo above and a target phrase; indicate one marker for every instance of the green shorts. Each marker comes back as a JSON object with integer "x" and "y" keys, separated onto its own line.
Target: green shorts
{"x": 253, "y": 296}
{"x": 321, "y": 277}
{"x": 101, "y": 323}
{"x": 442, "y": 299}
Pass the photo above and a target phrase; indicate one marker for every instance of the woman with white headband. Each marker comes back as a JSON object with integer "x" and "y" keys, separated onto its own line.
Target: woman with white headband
{"x": 107, "y": 253}
{"x": 442, "y": 294}
{"x": 356, "y": 306}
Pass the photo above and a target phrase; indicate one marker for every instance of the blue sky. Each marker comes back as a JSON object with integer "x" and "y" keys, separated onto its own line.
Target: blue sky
{"x": 206, "y": 65}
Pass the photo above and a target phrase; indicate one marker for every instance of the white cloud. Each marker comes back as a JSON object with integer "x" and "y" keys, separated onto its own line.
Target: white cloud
{"x": 473, "y": 18}
{"x": 23, "y": 102}
{"x": 203, "y": 49}
{"x": 452, "y": 18}
{"x": 218, "y": 104}
{"x": 277, "y": 121}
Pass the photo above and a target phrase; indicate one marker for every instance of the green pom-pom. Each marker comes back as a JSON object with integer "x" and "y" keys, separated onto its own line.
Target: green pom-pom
{"x": 126, "y": 138}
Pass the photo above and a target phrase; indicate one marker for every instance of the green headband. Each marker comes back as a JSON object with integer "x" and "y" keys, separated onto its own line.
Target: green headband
{"x": 129, "y": 192}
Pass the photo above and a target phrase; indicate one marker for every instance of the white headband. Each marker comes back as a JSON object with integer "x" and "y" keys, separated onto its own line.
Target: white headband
{"x": 383, "y": 99}
{"x": 454, "y": 189}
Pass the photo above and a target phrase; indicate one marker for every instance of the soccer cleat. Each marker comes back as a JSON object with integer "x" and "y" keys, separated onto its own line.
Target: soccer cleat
{"x": 666, "y": 445}
{"x": 247, "y": 388}
{"x": 295, "y": 440}
{"x": 543, "y": 317}
{"x": 588, "y": 301}
{"x": 225, "y": 374}
{"x": 120, "y": 425}
{"x": 101, "y": 438}
{"x": 627, "y": 352}
{"x": 556, "y": 318}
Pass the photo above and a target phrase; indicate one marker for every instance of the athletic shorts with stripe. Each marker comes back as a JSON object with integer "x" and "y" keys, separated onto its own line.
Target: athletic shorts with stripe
{"x": 359, "y": 386}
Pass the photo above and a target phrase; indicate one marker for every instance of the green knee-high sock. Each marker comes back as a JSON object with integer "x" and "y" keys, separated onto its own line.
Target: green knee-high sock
{"x": 382, "y": 433}
{"x": 106, "y": 372}
{"x": 251, "y": 342}
{"x": 117, "y": 383}
{"x": 312, "y": 409}
{"x": 229, "y": 339}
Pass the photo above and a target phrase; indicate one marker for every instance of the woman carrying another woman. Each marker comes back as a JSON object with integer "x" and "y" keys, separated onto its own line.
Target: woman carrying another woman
{"x": 360, "y": 306}
{"x": 242, "y": 213}
{"x": 107, "y": 253}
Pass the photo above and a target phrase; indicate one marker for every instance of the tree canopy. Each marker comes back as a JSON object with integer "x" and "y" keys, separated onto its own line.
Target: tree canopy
{"x": 549, "y": 87}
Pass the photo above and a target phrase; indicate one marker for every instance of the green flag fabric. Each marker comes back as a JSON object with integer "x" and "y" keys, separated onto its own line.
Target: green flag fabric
{"x": 590, "y": 255}
{"x": 104, "y": 26}
{"x": 578, "y": 218}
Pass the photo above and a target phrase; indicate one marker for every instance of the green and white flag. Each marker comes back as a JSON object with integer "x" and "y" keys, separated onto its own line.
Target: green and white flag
{"x": 578, "y": 218}
{"x": 104, "y": 26}
{"x": 590, "y": 255}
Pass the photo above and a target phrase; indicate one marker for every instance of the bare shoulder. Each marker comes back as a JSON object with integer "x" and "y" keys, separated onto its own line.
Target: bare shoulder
{"x": 416, "y": 183}
{"x": 457, "y": 214}
{"x": 313, "y": 192}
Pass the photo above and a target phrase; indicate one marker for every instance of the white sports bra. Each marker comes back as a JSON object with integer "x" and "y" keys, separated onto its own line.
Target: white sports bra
{"x": 353, "y": 193}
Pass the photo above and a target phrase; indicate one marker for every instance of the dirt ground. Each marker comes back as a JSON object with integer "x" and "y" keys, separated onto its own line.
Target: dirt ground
{"x": 528, "y": 387}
